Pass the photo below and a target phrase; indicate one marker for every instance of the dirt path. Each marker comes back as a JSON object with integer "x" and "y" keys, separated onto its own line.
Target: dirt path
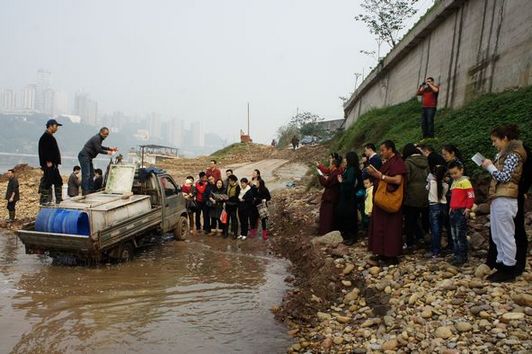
{"x": 276, "y": 172}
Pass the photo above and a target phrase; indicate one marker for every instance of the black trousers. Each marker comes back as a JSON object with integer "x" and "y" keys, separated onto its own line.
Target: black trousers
{"x": 244, "y": 214}
{"x": 51, "y": 177}
{"x": 232, "y": 219}
{"x": 413, "y": 230}
{"x": 11, "y": 206}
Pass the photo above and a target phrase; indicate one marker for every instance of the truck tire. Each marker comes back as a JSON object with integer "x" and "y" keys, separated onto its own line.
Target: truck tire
{"x": 182, "y": 228}
{"x": 126, "y": 252}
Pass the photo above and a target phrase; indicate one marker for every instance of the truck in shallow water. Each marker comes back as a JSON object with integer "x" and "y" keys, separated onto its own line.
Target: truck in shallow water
{"x": 110, "y": 224}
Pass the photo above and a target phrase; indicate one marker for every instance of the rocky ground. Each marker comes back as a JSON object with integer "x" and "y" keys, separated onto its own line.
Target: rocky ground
{"x": 342, "y": 302}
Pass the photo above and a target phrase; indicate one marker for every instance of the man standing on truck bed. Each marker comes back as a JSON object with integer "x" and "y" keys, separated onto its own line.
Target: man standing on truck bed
{"x": 50, "y": 159}
{"x": 92, "y": 148}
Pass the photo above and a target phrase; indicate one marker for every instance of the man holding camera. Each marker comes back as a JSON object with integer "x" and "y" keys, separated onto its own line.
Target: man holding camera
{"x": 429, "y": 92}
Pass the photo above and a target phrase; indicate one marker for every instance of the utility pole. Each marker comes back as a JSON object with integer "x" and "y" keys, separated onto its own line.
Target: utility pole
{"x": 248, "y": 120}
{"x": 357, "y": 76}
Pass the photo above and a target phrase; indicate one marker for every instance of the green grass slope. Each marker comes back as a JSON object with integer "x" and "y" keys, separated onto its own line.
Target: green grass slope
{"x": 467, "y": 127}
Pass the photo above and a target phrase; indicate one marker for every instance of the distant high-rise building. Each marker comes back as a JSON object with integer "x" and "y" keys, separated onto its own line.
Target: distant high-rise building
{"x": 155, "y": 125}
{"x": 198, "y": 135}
{"x": 86, "y": 108}
{"x": 60, "y": 103}
{"x": 8, "y": 100}
{"x": 176, "y": 132}
{"x": 43, "y": 95}
{"x": 28, "y": 98}
{"x": 48, "y": 101}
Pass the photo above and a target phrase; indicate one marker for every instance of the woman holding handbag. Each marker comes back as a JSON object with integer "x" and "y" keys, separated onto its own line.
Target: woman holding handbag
{"x": 385, "y": 230}
{"x": 261, "y": 197}
{"x": 218, "y": 197}
{"x": 231, "y": 206}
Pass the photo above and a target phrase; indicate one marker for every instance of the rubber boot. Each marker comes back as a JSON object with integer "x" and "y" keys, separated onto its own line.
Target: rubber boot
{"x": 11, "y": 215}
{"x": 252, "y": 233}
{"x": 265, "y": 235}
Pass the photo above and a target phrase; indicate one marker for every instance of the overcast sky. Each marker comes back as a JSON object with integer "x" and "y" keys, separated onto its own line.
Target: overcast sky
{"x": 192, "y": 60}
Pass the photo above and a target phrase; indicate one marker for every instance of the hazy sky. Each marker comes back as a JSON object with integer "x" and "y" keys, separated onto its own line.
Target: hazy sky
{"x": 192, "y": 60}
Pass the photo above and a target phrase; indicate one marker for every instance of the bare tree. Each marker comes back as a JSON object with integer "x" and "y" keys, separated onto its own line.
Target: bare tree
{"x": 386, "y": 18}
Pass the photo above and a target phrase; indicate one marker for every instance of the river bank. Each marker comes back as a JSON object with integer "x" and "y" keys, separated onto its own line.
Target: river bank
{"x": 342, "y": 302}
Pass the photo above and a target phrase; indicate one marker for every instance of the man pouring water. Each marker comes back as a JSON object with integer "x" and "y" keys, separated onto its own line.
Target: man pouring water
{"x": 92, "y": 148}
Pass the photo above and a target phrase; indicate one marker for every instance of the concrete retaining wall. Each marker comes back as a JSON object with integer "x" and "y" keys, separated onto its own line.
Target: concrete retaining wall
{"x": 470, "y": 47}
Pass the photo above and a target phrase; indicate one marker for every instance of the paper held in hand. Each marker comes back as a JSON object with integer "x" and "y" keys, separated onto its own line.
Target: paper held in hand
{"x": 319, "y": 172}
{"x": 478, "y": 158}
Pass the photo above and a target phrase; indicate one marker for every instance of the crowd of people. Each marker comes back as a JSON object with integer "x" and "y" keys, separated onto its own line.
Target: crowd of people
{"x": 227, "y": 206}
{"x": 419, "y": 193}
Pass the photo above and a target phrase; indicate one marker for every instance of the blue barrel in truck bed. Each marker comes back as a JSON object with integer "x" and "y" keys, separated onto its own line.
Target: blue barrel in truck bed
{"x": 62, "y": 221}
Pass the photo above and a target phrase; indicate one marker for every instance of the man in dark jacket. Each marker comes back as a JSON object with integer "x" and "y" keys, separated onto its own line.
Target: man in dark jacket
{"x": 92, "y": 148}
{"x": 74, "y": 182}
{"x": 98, "y": 179}
{"x": 12, "y": 194}
{"x": 50, "y": 159}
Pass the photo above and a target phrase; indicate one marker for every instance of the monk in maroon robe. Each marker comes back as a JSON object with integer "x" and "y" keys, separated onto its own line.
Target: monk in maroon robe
{"x": 385, "y": 230}
{"x": 330, "y": 196}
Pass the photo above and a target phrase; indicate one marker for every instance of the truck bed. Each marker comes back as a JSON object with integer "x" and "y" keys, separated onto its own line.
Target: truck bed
{"x": 94, "y": 245}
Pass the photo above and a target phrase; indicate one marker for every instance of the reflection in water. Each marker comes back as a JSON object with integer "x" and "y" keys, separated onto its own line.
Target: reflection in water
{"x": 192, "y": 297}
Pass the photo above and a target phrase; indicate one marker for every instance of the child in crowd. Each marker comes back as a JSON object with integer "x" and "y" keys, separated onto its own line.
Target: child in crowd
{"x": 437, "y": 188}
{"x": 245, "y": 207}
{"x": 462, "y": 200}
{"x": 368, "y": 202}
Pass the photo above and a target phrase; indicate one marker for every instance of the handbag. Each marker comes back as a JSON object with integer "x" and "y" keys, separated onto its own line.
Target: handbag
{"x": 191, "y": 205}
{"x": 223, "y": 217}
{"x": 390, "y": 202}
{"x": 263, "y": 210}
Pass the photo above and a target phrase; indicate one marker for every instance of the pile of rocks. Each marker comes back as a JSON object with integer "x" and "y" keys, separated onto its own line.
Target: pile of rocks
{"x": 421, "y": 305}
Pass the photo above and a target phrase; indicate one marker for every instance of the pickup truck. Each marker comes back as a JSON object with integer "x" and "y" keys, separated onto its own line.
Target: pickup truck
{"x": 111, "y": 224}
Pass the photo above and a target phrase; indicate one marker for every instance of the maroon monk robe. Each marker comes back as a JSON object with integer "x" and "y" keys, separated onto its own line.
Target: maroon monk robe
{"x": 385, "y": 229}
{"x": 329, "y": 199}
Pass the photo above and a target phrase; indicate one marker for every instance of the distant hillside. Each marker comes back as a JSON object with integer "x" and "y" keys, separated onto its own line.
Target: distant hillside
{"x": 468, "y": 127}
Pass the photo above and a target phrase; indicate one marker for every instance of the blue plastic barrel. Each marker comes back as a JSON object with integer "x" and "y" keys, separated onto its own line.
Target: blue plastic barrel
{"x": 75, "y": 222}
{"x": 62, "y": 221}
{"x": 43, "y": 219}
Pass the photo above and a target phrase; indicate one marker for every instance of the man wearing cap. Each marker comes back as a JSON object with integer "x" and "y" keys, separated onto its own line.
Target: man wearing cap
{"x": 50, "y": 159}
{"x": 92, "y": 148}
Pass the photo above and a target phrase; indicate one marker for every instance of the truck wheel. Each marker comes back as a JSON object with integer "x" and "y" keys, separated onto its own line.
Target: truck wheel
{"x": 182, "y": 229}
{"x": 126, "y": 252}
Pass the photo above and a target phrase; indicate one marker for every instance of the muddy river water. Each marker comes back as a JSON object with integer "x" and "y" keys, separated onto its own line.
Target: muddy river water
{"x": 204, "y": 295}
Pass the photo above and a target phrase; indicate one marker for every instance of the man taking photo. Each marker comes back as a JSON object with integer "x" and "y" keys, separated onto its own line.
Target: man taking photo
{"x": 429, "y": 92}
{"x": 50, "y": 159}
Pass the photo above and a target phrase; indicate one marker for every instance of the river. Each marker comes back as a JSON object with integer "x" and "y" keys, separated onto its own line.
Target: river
{"x": 9, "y": 160}
{"x": 204, "y": 295}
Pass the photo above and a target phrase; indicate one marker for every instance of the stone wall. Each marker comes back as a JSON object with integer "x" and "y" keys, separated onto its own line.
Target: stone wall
{"x": 470, "y": 47}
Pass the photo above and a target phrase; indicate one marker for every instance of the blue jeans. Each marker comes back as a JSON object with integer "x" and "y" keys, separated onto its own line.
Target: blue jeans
{"x": 436, "y": 217}
{"x": 427, "y": 121}
{"x": 459, "y": 232}
{"x": 87, "y": 173}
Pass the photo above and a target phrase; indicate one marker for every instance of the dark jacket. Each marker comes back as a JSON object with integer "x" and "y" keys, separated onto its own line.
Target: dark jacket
{"x": 374, "y": 161}
{"x": 259, "y": 194}
{"x": 98, "y": 182}
{"x": 94, "y": 146}
{"x": 73, "y": 185}
{"x": 12, "y": 187}
{"x": 417, "y": 169}
{"x": 49, "y": 150}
